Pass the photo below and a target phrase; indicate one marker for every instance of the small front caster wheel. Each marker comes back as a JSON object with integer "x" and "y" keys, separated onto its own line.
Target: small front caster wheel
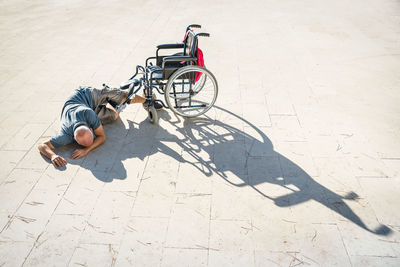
{"x": 153, "y": 117}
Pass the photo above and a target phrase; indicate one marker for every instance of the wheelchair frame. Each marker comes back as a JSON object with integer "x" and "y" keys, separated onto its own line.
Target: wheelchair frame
{"x": 156, "y": 77}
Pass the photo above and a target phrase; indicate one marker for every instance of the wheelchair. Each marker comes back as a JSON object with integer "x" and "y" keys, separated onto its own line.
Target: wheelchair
{"x": 189, "y": 88}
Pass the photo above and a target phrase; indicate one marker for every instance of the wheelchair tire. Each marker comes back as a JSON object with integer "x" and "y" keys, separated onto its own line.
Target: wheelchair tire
{"x": 152, "y": 114}
{"x": 200, "y": 83}
{"x": 192, "y": 98}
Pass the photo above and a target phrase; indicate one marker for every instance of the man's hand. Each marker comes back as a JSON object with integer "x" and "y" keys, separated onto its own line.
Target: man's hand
{"x": 79, "y": 153}
{"x": 58, "y": 161}
{"x": 47, "y": 150}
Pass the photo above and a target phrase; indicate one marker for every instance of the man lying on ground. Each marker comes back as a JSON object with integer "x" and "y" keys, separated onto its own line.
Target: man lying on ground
{"x": 82, "y": 117}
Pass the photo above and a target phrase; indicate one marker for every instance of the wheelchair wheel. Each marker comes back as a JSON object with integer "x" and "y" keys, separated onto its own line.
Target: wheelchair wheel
{"x": 190, "y": 98}
{"x": 153, "y": 116}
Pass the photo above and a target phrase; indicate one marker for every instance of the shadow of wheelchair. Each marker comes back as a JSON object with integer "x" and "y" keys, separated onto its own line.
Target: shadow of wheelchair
{"x": 228, "y": 150}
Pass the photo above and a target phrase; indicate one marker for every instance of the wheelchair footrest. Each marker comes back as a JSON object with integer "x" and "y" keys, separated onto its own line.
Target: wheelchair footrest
{"x": 192, "y": 106}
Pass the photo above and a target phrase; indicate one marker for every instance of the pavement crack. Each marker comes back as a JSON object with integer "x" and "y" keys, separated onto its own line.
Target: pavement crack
{"x": 40, "y": 243}
{"x": 66, "y": 199}
{"x": 25, "y": 219}
{"x": 200, "y": 246}
{"x": 131, "y": 229}
{"x": 200, "y": 214}
{"x": 34, "y": 203}
{"x": 144, "y": 244}
{"x": 93, "y": 226}
{"x": 29, "y": 235}
{"x": 315, "y": 235}
{"x": 104, "y": 232}
{"x": 389, "y": 241}
{"x": 294, "y": 259}
{"x": 288, "y": 221}
{"x": 127, "y": 194}
{"x": 199, "y": 195}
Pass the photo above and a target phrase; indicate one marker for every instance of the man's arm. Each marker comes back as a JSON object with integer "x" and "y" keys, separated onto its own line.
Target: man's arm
{"x": 47, "y": 150}
{"x": 98, "y": 141}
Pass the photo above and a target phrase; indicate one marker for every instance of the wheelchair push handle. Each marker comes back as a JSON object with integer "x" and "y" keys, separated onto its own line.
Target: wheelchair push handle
{"x": 194, "y": 26}
{"x": 203, "y": 34}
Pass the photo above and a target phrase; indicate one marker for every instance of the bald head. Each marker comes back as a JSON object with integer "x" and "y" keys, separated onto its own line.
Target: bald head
{"x": 83, "y": 135}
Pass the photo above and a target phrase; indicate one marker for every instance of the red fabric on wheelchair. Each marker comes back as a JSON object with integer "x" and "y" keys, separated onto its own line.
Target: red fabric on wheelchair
{"x": 200, "y": 63}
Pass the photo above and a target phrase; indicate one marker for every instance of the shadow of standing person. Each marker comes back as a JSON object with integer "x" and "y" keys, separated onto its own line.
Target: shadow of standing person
{"x": 231, "y": 149}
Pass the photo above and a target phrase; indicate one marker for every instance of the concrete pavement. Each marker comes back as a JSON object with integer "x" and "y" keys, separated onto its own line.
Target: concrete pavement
{"x": 297, "y": 164}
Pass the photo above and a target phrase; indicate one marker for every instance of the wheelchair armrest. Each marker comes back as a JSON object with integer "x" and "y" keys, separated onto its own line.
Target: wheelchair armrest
{"x": 170, "y": 46}
{"x": 177, "y": 59}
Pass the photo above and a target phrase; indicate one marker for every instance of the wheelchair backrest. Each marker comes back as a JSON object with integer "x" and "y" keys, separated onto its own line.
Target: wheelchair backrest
{"x": 189, "y": 48}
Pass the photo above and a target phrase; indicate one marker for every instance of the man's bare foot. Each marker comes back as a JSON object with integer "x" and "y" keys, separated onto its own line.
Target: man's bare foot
{"x": 138, "y": 99}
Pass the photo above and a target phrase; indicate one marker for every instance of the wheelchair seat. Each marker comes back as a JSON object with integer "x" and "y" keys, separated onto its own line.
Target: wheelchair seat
{"x": 156, "y": 72}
